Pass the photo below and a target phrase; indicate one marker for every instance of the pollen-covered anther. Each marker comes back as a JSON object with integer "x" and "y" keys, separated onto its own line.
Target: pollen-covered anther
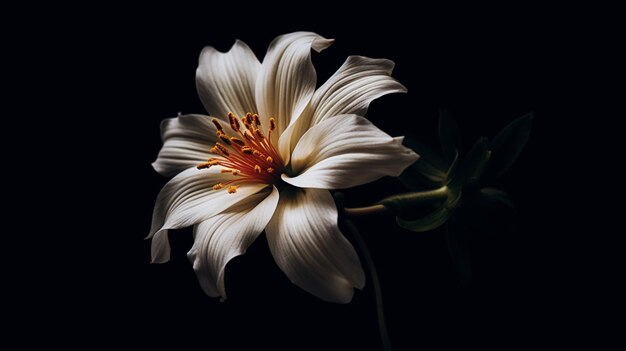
{"x": 247, "y": 150}
{"x": 257, "y": 120}
{"x": 209, "y": 163}
{"x": 218, "y": 186}
{"x": 247, "y": 120}
{"x": 272, "y": 124}
{"x": 257, "y": 169}
{"x": 237, "y": 141}
{"x": 248, "y": 135}
{"x": 270, "y": 170}
{"x": 225, "y": 138}
{"x": 222, "y": 149}
{"x": 217, "y": 125}
{"x": 269, "y": 159}
{"x": 259, "y": 134}
{"x": 232, "y": 189}
{"x": 234, "y": 122}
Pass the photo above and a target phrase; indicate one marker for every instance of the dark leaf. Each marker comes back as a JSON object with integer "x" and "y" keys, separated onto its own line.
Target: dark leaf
{"x": 496, "y": 197}
{"x": 472, "y": 166}
{"x": 432, "y": 221}
{"x": 508, "y": 144}
{"x": 448, "y": 135}
{"x": 426, "y": 173}
{"x": 454, "y": 166}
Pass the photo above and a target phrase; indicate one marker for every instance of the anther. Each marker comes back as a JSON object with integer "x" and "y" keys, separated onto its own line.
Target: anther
{"x": 269, "y": 159}
{"x": 257, "y": 121}
{"x": 225, "y": 138}
{"x": 259, "y": 134}
{"x": 217, "y": 125}
{"x": 232, "y": 189}
{"x": 272, "y": 123}
{"x": 257, "y": 169}
{"x": 234, "y": 122}
{"x": 270, "y": 170}
{"x": 222, "y": 148}
{"x": 237, "y": 141}
{"x": 246, "y": 150}
{"x": 218, "y": 186}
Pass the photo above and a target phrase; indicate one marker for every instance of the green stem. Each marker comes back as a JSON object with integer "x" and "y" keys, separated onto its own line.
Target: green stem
{"x": 375, "y": 282}
{"x": 419, "y": 197}
{"x": 364, "y": 211}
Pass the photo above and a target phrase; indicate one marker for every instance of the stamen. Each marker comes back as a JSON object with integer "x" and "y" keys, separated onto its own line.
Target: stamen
{"x": 237, "y": 141}
{"x": 222, "y": 148}
{"x": 234, "y": 122}
{"x": 225, "y": 138}
{"x": 249, "y": 156}
{"x": 209, "y": 163}
{"x": 247, "y": 120}
{"x": 217, "y": 125}
{"x": 259, "y": 134}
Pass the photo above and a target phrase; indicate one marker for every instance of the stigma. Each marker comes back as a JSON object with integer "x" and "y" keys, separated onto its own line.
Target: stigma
{"x": 245, "y": 151}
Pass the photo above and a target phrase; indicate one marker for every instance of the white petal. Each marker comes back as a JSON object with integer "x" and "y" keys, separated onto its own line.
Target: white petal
{"x": 287, "y": 79}
{"x": 222, "y": 237}
{"x": 309, "y": 248}
{"x": 359, "y": 81}
{"x": 186, "y": 140}
{"x": 226, "y": 81}
{"x": 187, "y": 199}
{"x": 346, "y": 151}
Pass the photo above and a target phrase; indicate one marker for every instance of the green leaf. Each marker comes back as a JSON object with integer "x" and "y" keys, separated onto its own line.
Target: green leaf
{"x": 472, "y": 166}
{"x": 457, "y": 239}
{"x": 448, "y": 135}
{"x": 426, "y": 173}
{"x": 432, "y": 221}
{"x": 452, "y": 169}
{"x": 508, "y": 144}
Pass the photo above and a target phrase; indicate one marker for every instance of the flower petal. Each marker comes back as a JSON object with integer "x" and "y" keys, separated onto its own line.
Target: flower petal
{"x": 227, "y": 235}
{"x": 187, "y": 199}
{"x": 226, "y": 81}
{"x": 287, "y": 79}
{"x": 346, "y": 151}
{"x": 309, "y": 248}
{"x": 358, "y": 82}
{"x": 187, "y": 140}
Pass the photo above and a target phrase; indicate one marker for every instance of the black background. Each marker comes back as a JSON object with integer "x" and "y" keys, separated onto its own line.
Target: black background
{"x": 105, "y": 80}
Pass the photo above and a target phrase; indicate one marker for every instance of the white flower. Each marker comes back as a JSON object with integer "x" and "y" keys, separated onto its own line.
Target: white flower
{"x": 240, "y": 172}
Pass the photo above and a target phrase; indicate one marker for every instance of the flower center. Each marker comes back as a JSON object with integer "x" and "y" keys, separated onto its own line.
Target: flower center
{"x": 248, "y": 154}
